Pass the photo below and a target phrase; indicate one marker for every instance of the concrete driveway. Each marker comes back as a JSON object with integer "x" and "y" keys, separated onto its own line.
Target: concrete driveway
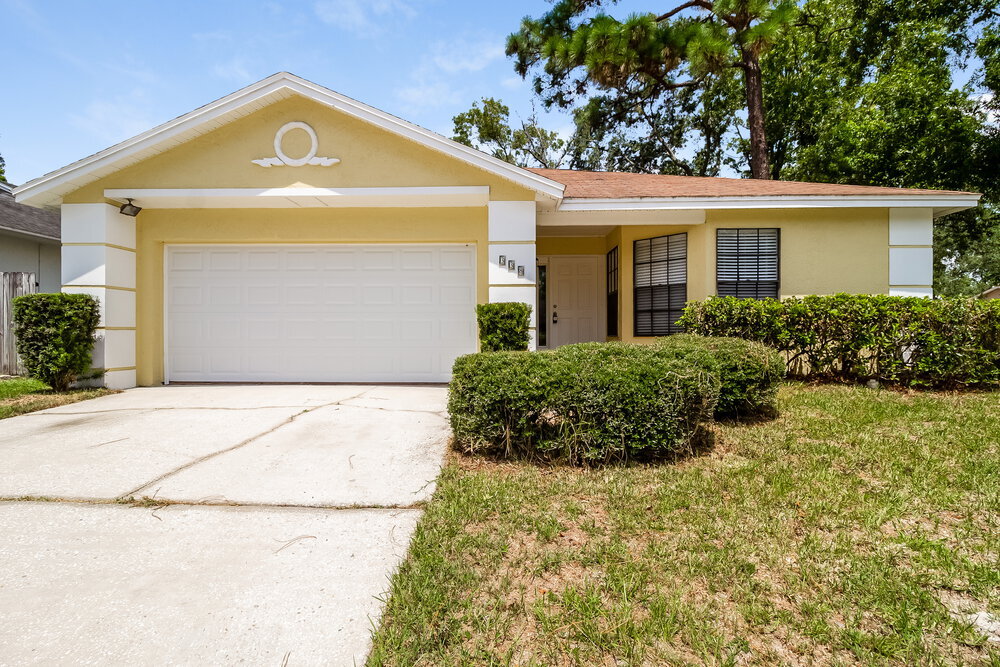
{"x": 254, "y": 524}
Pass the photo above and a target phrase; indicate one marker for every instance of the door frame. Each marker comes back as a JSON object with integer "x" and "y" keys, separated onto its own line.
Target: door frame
{"x": 602, "y": 287}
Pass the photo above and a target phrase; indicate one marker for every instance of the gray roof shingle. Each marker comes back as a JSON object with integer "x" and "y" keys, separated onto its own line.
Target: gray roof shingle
{"x": 22, "y": 219}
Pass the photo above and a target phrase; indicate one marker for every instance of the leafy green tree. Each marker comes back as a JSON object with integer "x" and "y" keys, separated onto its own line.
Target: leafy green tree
{"x": 642, "y": 64}
{"x": 486, "y": 127}
{"x": 3, "y": 177}
{"x": 864, "y": 93}
{"x": 854, "y": 91}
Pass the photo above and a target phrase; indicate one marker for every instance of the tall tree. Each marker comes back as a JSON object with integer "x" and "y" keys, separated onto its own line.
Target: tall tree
{"x": 486, "y": 127}
{"x": 643, "y": 62}
{"x": 3, "y": 176}
{"x": 864, "y": 93}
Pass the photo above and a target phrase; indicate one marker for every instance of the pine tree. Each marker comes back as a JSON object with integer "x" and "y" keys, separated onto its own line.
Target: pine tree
{"x": 650, "y": 55}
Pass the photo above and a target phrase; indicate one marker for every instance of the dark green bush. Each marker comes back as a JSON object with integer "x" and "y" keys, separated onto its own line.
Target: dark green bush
{"x": 55, "y": 335}
{"x": 503, "y": 326}
{"x": 588, "y": 403}
{"x": 749, "y": 372}
{"x": 943, "y": 343}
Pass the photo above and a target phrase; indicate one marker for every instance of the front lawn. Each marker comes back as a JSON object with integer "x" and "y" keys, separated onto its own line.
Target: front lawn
{"x": 860, "y": 526}
{"x": 20, "y": 395}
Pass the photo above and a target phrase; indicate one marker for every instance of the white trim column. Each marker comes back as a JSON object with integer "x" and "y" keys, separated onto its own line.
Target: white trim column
{"x": 911, "y": 252}
{"x": 98, "y": 258}
{"x": 512, "y": 235}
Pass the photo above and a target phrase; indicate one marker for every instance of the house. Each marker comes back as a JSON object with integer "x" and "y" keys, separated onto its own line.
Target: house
{"x": 288, "y": 233}
{"x": 29, "y": 241}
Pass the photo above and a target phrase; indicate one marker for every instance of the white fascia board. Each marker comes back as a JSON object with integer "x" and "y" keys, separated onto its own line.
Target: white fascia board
{"x": 942, "y": 204}
{"x": 589, "y": 218}
{"x": 30, "y": 236}
{"x": 458, "y": 196}
{"x": 34, "y": 192}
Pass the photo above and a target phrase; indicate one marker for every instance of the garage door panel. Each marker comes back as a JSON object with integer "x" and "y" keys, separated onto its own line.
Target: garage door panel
{"x": 457, "y": 295}
{"x": 262, "y": 295}
{"x": 378, "y": 295}
{"x": 323, "y": 313}
{"x": 455, "y": 260}
{"x": 225, "y": 260}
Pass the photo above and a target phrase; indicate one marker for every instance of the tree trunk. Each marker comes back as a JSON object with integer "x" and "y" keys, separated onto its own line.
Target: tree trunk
{"x": 755, "y": 116}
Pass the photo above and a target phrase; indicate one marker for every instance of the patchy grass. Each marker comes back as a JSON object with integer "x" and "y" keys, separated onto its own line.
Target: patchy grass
{"x": 857, "y": 527}
{"x": 20, "y": 395}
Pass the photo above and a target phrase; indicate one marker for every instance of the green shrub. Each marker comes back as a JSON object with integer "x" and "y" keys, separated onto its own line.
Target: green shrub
{"x": 55, "y": 335}
{"x": 503, "y": 326}
{"x": 588, "y": 403}
{"x": 943, "y": 343}
{"x": 496, "y": 399}
{"x": 749, "y": 372}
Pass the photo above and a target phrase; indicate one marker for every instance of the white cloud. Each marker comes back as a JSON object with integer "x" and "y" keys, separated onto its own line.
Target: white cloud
{"x": 364, "y": 18}
{"x": 465, "y": 55}
{"x": 512, "y": 83}
{"x": 425, "y": 95}
{"x": 234, "y": 69}
{"x": 116, "y": 119}
{"x": 433, "y": 80}
{"x": 992, "y": 114}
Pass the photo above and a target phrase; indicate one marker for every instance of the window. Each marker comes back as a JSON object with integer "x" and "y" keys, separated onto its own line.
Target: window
{"x": 747, "y": 263}
{"x": 660, "y": 284}
{"x": 612, "y": 263}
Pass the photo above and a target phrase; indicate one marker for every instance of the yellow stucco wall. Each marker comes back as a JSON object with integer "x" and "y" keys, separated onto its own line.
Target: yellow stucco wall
{"x": 158, "y": 228}
{"x": 369, "y": 155}
{"x": 822, "y": 252}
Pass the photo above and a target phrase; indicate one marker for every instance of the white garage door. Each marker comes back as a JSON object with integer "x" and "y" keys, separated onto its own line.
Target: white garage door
{"x": 318, "y": 313}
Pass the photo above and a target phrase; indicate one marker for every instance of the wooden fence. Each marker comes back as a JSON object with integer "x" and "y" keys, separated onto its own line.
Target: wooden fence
{"x": 12, "y": 284}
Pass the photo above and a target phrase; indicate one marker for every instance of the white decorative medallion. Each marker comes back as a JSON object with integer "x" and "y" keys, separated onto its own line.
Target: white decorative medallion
{"x": 282, "y": 160}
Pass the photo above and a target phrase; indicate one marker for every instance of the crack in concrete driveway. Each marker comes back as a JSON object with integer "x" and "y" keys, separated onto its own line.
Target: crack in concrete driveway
{"x": 202, "y": 459}
{"x": 211, "y": 574}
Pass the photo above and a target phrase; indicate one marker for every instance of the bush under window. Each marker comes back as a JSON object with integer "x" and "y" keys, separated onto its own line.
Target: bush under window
{"x": 943, "y": 343}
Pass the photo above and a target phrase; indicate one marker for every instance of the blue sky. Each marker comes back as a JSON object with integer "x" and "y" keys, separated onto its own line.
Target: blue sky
{"x": 81, "y": 76}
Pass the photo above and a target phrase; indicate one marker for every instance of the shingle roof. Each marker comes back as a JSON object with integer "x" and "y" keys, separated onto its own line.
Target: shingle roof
{"x": 23, "y": 219}
{"x": 620, "y": 185}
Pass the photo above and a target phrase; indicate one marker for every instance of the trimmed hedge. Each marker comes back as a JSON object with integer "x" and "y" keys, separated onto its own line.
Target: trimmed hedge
{"x": 55, "y": 335}
{"x": 939, "y": 343}
{"x": 503, "y": 326}
{"x": 587, "y": 403}
{"x": 749, "y": 372}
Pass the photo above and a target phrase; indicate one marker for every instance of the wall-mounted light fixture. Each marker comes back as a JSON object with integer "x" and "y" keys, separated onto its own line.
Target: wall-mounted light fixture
{"x": 511, "y": 265}
{"x": 520, "y": 272}
{"x": 129, "y": 209}
{"x": 503, "y": 260}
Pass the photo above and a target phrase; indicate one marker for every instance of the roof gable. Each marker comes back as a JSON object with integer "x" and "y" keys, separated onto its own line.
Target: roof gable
{"x": 48, "y": 190}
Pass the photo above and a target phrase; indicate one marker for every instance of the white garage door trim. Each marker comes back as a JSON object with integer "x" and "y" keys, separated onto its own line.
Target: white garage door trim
{"x": 419, "y": 347}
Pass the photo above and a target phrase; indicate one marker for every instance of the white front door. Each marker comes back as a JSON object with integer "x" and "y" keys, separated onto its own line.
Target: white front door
{"x": 318, "y": 313}
{"x": 574, "y": 312}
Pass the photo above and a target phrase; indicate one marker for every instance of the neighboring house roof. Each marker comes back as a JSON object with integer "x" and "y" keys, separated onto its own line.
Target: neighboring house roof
{"x": 48, "y": 190}
{"x": 26, "y": 220}
{"x": 618, "y": 185}
{"x": 991, "y": 293}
